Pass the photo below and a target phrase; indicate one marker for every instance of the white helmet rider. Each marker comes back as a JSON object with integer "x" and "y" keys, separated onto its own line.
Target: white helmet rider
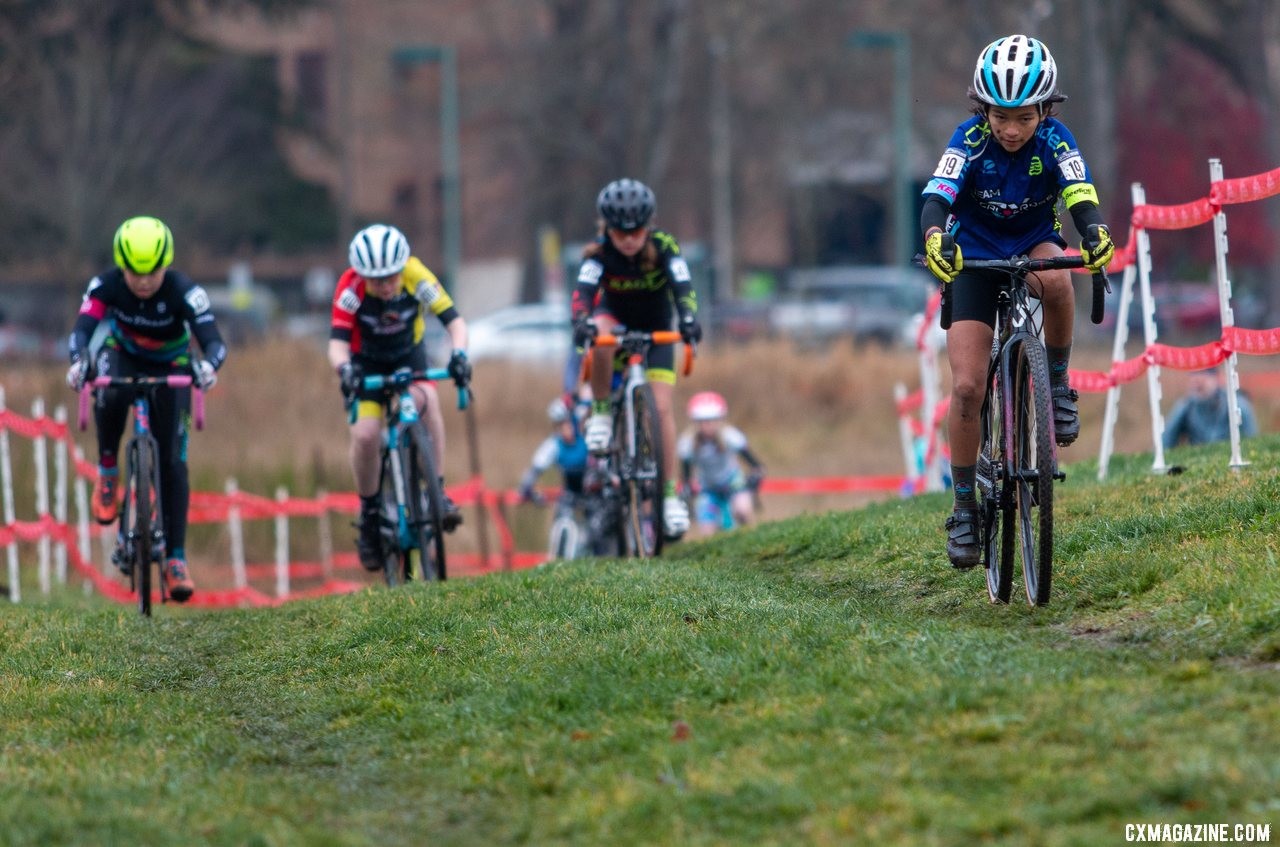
{"x": 379, "y": 251}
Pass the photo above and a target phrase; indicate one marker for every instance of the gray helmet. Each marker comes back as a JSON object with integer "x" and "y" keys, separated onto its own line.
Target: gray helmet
{"x": 625, "y": 204}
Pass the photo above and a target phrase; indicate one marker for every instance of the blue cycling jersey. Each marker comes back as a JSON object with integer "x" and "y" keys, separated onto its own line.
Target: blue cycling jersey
{"x": 1003, "y": 204}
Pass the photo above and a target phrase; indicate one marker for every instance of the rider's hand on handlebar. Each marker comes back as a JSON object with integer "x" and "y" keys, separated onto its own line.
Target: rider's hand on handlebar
{"x": 77, "y": 373}
{"x": 584, "y": 331}
{"x": 349, "y": 377}
{"x": 1097, "y": 248}
{"x": 460, "y": 368}
{"x": 206, "y": 376}
{"x": 690, "y": 329}
{"x": 754, "y": 478}
{"x": 942, "y": 255}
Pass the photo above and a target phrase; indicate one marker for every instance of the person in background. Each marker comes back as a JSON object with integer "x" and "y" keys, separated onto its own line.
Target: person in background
{"x": 379, "y": 309}
{"x": 995, "y": 194}
{"x": 634, "y": 275}
{"x": 1202, "y": 416}
{"x": 566, "y": 449}
{"x": 710, "y": 451}
{"x": 151, "y": 312}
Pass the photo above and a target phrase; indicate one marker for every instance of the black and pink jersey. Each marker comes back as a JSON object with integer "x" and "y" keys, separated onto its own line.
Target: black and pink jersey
{"x": 157, "y": 329}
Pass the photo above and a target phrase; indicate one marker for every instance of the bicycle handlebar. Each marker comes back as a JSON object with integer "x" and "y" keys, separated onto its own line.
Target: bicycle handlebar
{"x": 636, "y": 337}
{"x": 402, "y": 378}
{"x": 1023, "y": 265}
{"x": 168, "y": 381}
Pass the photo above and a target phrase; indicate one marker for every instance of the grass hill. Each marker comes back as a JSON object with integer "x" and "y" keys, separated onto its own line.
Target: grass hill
{"x": 822, "y": 680}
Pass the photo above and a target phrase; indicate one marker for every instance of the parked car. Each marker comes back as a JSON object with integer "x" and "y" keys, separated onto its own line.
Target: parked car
{"x": 530, "y": 331}
{"x": 870, "y": 304}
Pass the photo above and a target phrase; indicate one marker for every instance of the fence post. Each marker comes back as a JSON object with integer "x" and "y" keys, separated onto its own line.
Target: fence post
{"x": 60, "y": 496}
{"x": 82, "y": 516}
{"x": 1228, "y": 319}
{"x": 40, "y": 454}
{"x": 282, "y": 544}
{"x": 325, "y": 527}
{"x": 235, "y": 529}
{"x": 1143, "y": 244}
{"x": 905, "y": 435}
{"x": 1117, "y": 356}
{"x": 6, "y": 488}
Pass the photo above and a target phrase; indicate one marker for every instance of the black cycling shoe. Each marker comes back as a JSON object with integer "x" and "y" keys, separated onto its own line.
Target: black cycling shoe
{"x": 368, "y": 545}
{"x": 1066, "y": 416}
{"x": 452, "y": 518}
{"x": 964, "y": 544}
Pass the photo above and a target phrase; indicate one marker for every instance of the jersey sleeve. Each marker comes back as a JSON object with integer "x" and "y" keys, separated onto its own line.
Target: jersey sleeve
{"x": 423, "y": 284}
{"x": 733, "y": 439}
{"x": 346, "y": 302}
{"x": 93, "y": 308}
{"x": 590, "y": 273}
{"x": 199, "y": 315}
{"x": 1074, "y": 179}
{"x": 678, "y": 272}
{"x": 948, "y": 176}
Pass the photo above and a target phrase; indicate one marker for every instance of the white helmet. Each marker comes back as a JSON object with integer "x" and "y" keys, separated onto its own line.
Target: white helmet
{"x": 1015, "y": 71}
{"x": 557, "y": 412}
{"x": 379, "y": 250}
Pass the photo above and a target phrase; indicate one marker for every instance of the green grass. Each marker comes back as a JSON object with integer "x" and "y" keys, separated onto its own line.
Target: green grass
{"x": 823, "y": 680}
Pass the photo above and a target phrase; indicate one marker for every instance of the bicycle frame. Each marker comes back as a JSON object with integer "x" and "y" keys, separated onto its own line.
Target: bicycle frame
{"x": 401, "y": 414}
{"x": 627, "y": 471}
{"x": 128, "y": 542}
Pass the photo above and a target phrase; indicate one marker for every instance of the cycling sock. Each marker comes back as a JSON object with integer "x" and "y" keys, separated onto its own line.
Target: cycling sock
{"x": 669, "y": 489}
{"x": 965, "y": 479}
{"x": 369, "y": 503}
{"x": 178, "y": 553}
{"x": 600, "y": 407}
{"x": 1059, "y": 357}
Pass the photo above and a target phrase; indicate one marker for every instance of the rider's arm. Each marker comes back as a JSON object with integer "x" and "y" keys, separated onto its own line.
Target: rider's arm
{"x": 584, "y": 292}
{"x": 203, "y": 325}
{"x": 92, "y": 310}
{"x": 934, "y": 214}
{"x": 339, "y": 353}
{"x": 678, "y": 273}
{"x": 750, "y": 458}
{"x": 543, "y": 458}
{"x": 457, "y": 329}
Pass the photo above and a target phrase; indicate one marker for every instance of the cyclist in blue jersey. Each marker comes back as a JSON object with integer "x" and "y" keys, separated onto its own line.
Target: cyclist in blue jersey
{"x": 564, "y": 448}
{"x": 995, "y": 194}
{"x": 151, "y": 312}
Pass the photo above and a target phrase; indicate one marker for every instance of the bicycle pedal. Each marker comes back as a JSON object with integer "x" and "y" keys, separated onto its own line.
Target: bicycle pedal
{"x": 1060, "y": 476}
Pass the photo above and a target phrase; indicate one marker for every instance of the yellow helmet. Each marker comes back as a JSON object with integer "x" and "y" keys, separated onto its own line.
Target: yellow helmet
{"x": 143, "y": 244}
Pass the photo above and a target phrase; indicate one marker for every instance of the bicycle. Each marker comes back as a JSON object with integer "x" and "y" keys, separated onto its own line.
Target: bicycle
{"x": 632, "y": 480}
{"x": 1017, "y": 452}
{"x": 140, "y": 540}
{"x": 412, "y": 516}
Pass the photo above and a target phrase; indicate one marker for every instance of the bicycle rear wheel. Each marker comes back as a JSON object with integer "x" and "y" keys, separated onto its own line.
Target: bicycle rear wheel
{"x": 141, "y": 467}
{"x": 995, "y": 503}
{"x": 426, "y": 505}
{"x": 643, "y": 475}
{"x": 1034, "y": 467}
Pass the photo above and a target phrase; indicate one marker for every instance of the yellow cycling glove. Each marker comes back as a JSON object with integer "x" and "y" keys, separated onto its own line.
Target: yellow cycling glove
{"x": 942, "y": 255}
{"x": 1097, "y": 248}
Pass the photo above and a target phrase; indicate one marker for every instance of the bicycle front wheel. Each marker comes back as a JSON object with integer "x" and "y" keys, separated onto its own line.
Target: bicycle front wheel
{"x": 426, "y": 505}
{"x": 995, "y": 502}
{"x": 143, "y": 495}
{"x": 643, "y": 475}
{"x": 1034, "y": 465}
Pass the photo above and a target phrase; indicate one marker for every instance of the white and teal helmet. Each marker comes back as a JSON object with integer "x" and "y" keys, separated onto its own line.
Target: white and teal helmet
{"x": 1014, "y": 71}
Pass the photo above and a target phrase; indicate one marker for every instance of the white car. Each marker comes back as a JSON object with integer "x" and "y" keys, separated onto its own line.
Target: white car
{"x": 528, "y": 332}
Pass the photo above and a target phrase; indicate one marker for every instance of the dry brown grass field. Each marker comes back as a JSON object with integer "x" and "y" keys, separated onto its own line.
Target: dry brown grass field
{"x": 275, "y": 419}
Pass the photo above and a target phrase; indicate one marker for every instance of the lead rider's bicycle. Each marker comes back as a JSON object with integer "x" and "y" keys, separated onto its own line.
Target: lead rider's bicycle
{"x": 1017, "y": 454}
{"x": 632, "y": 481}
{"x": 412, "y": 499}
{"x": 140, "y": 540}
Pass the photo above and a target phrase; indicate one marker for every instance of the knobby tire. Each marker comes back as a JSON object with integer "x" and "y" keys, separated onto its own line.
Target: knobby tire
{"x": 426, "y": 505}
{"x": 644, "y": 483}
{"x": 1035, "y": 463}
{"x": 995, "y": 502}
{"x": 140, "y": 470}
